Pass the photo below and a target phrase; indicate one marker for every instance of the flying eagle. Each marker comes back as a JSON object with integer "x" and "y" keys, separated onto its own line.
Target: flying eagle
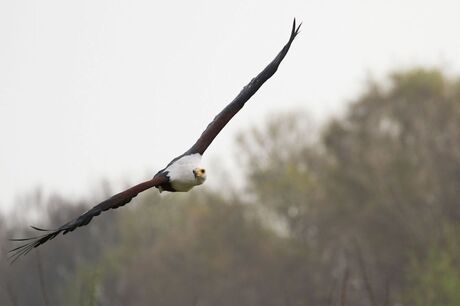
{"x": 180, "y": 175}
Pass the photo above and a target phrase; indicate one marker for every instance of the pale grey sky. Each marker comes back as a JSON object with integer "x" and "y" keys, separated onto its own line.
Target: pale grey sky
{"x": 93, "y": 90}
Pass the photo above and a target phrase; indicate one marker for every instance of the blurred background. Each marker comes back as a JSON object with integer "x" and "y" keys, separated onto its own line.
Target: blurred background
{"x": 337, "y": 184}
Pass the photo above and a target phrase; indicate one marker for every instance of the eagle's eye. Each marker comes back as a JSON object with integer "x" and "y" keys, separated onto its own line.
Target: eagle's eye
{"x": 203, "y": 171}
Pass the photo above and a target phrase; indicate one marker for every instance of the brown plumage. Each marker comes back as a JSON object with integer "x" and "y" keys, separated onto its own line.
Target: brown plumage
{"x": 248, "y": 91}
{"x": 115, "y": 201}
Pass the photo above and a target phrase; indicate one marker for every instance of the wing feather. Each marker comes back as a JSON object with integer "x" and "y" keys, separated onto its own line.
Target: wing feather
{"x": 113, "y": 202}
{"x": 248, "y": 91}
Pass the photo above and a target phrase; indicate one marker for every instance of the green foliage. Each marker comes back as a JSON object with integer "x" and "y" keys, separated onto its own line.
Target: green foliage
{"x": 435, "y": 278}
{"x": 364, "y": 212}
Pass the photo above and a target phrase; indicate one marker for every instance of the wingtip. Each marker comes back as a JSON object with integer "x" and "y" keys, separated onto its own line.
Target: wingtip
{"x": 298, "y": 28}
{"x": 16, "y": 253}
{"x": 295, "y": 28}
{"x": 30, "y": 243}
{"x": 40, "y": 229}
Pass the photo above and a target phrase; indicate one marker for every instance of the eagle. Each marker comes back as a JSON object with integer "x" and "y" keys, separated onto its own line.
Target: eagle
{"x": 180, "y": 175}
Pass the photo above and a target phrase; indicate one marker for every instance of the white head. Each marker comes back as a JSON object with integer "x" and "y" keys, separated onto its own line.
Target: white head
{"x": 200, "y": 175}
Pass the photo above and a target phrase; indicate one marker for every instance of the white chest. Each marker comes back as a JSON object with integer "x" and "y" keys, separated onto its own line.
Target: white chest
{"x": 180, "y": 172}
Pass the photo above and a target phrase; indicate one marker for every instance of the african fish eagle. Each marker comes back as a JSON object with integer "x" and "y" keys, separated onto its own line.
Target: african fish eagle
{"x": 181, "y": 174}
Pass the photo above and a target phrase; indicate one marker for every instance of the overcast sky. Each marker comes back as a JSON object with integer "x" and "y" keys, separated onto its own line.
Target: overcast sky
{"x": 93, "y": 90}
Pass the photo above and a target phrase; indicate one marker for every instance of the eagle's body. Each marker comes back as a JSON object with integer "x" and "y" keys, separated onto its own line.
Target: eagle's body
{"x": 181, "y": 174}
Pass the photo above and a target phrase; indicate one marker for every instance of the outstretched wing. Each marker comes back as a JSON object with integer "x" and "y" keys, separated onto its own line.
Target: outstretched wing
{"x": 113, "y": 202}
{"x": 231, "y": 109}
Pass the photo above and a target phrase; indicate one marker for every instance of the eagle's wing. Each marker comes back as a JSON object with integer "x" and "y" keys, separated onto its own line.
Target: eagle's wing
{"x": 113, "y": 202}
{"x": 231, "y": 109}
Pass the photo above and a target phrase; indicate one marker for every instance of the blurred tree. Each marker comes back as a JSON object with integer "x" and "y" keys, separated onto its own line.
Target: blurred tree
{"x": 379, "y": 186}
{"x": 435, "y": 278}
{"x": 364, "y": 212}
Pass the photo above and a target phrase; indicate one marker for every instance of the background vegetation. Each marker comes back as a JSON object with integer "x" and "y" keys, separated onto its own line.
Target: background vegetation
{"x": 364, "y": 212}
